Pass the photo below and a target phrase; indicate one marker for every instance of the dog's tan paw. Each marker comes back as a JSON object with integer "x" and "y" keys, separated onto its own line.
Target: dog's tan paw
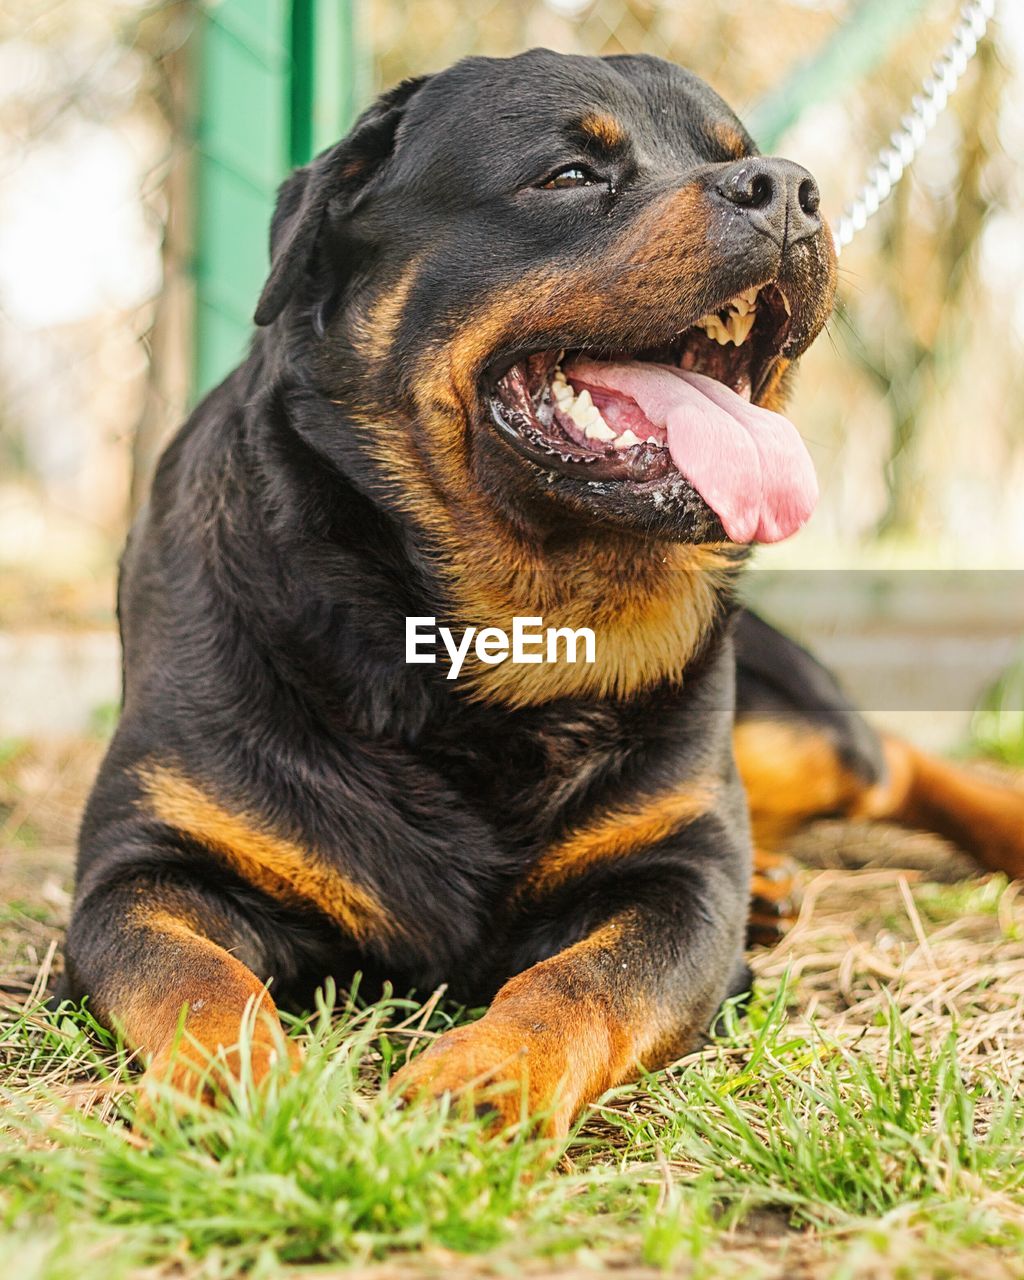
{"x": 489, "y": 1068}
{"x": 774, "y": 898}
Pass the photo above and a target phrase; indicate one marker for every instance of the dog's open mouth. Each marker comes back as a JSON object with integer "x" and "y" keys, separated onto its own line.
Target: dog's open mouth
{"x": 688, "y": 408}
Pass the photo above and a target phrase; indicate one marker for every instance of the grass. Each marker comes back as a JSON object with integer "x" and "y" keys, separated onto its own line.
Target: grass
{"x": 997, "y": 727}
{"x": 317, "y": 1167}
{"x": 863, "y": 1118}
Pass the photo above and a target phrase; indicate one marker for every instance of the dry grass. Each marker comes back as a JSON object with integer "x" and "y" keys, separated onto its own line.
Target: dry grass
{"x": 899, "y": 976}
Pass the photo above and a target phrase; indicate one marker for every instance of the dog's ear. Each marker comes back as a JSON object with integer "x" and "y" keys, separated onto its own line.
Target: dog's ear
{"x": 338, "y": 174}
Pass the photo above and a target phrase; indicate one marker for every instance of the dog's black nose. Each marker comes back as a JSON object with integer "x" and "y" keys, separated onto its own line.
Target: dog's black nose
{"x": 778, "y": 197}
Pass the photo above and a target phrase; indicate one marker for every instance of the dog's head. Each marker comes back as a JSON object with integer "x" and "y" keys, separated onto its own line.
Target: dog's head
{"x": 566, "y": 288}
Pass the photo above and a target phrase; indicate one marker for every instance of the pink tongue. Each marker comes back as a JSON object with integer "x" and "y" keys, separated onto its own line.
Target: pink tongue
{"x": 748, "y": 464}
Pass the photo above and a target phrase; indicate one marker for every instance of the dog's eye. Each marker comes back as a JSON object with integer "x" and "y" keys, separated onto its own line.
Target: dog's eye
{"x": 573, "y": 175}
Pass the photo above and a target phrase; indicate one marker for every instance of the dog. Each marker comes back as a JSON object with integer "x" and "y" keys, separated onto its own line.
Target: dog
{"x": 522, "y": 353}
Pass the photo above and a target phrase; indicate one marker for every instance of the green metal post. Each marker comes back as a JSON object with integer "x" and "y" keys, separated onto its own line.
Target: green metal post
{"x": 326, "y": 84}
{"x": 277, "y": 83}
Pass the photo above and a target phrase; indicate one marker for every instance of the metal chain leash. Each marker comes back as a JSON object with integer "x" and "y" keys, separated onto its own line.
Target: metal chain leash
{"x": 925, "y": 108}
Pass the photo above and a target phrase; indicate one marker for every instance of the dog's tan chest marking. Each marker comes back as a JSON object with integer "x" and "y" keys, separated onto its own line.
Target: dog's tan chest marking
{"x": 276, "y": 865}
{"x": 618, "y": 834}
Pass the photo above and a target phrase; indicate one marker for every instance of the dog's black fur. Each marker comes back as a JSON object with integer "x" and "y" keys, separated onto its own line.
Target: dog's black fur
{"x": 348, "y": 475}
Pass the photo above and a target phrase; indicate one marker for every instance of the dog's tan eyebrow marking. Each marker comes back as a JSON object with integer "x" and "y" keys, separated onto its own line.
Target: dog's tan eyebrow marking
{"x": 280, "y": 867}
{"x": 603, "y": 129}
{"x": 730, "y": 140}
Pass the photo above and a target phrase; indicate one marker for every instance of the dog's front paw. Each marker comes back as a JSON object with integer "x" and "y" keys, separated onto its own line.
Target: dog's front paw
{"x": 489, "y": 1068}
{"x": 189, "y": 1070}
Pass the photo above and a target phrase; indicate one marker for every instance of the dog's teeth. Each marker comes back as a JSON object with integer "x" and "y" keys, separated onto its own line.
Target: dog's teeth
{"x": 584, "y": 412}
{"x": 652, "y": 440}
{"x": 599, "y": 429}
{"x": 627, "y": 440}
{"x": 583, "y": 399}
{"x": 563, "y": 393}
{"x": 740, "y": 326}
{"x": 714, "y": 328}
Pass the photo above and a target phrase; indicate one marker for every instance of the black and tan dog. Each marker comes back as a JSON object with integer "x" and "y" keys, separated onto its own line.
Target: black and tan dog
{"x": 524, "y": 342}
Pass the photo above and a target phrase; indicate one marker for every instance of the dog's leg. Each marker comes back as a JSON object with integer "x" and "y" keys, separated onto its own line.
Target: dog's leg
{"x": 633, "y": 992}
{"x": 981, "y": 817}
{"x": 164, "y": 967}
{"x": 794, "y": 772}
{"x": 804, "y": 752}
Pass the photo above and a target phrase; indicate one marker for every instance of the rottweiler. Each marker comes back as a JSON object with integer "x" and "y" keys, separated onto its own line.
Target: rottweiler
{"x": 522, "y": 353}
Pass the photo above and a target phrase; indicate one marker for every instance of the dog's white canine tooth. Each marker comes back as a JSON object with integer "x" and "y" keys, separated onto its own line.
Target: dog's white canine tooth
{"x": 563, "y": 393}
{"x": 652, "y": 440}
{"x": 740, "y": 326}
{"x": 627, "y": 440}
{"x": 583, "y": 399}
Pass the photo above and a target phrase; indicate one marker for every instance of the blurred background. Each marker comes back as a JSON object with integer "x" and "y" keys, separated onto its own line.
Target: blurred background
{"x": 140, "y": 147}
